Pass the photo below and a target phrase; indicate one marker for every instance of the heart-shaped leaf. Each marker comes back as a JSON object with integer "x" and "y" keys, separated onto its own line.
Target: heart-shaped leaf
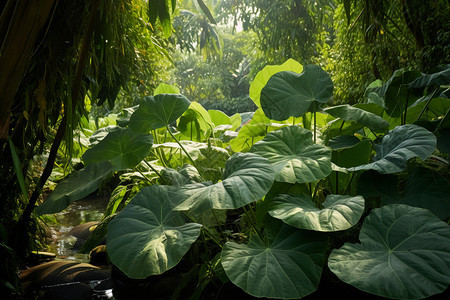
{"x": 404, "y": 254}
{"x": 147, "y": 237}
{"x": 264, "y": 75}
{"x": 75, "y": 187}
{"x": 165, "y": 88}
{"x": 288, "y": 265}
{"x": 195, "y": 122}
{"x": 123, "y": 148}
{"x": 398, "y": 146}
{"x": 349, "y": 113}
{"x": 288, "y": 94}
{"x": 338, "y": 212}
{"x": 294, "y": 156}
{"x": 247, "y": 178}
{"x": 158, "y": 111}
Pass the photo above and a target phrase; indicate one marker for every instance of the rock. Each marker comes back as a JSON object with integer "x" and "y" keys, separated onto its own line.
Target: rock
{"x": 98, "y": 256}
{"x": 82, "y": 232}
{"x": 63, "y": 279}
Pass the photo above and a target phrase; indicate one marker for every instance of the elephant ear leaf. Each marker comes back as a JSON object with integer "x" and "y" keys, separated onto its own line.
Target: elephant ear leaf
{"x": 398, "y": 146}
{"x": 158, "y": 111}
{"x": 288, "y": 265}
{"x": 75, "y": 187}
{"x": 288, "y": 94}
{"x": 247, "y": 178}
{"x": 404, "y": 254}
{"x": 294, "y": 156}
{"x": 338, "y": 212}
{"x": 148, "y": 237}
{"x": 264, "y": 75}
{"x": 123, "y": 148}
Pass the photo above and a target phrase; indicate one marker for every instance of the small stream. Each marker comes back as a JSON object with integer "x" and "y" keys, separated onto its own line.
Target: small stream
{"x": 82, "y": 211}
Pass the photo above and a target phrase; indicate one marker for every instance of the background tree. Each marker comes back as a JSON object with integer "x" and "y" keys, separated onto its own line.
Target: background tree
{"x": 53, "y": 55}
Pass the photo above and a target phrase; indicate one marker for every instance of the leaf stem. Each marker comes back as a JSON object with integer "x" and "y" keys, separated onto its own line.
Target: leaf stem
{"x": 251, "y": 223}
{"x": 206, "y": 231}
{"x": 154, "y": 170}
{"x": 184, "y": 150}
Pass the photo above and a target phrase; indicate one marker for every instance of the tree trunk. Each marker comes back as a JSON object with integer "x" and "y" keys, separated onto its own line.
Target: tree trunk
{"x": 21, "y": 22}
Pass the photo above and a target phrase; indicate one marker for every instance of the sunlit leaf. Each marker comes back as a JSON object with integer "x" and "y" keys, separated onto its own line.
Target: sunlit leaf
{"x": 148, "y": 237}
{"x": 158, "y": 111}
{"x": 294, "y": 156}
{"x": 263, "y": 76}
{"x": 289, "y": 94}
{"x": 398, "y": 146}
{"x": 246, "y": 179}
{"x": 338, "y": 212}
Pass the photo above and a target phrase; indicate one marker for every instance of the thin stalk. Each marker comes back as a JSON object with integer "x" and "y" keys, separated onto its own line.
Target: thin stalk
{"x": 149, "y": 181}
{"x": 337, "y": 183}
{"x": 154, "y": 170}
{"x": 406, "y": 107}
{"x": 426, "y": 105}
{"x": 159, "y": 151}
{"x": 251, "y": 223}
{"x": 218, "y": 225}
{"x": 349, "y": 183}
{"x": 315, "y": 126}
{"x": 206, "y": 231}
{"x": 184, "y": 150}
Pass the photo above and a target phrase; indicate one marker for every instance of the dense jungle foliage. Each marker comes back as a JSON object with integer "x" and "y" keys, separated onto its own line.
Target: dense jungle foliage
{"x": 251, "y": 143}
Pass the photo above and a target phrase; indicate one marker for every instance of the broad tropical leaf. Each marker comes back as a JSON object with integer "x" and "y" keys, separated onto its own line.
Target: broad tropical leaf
{"x": 75, "y": 187}
{"x": 195, "y": 122}
{"x": 286, "y": 265}
{"x": 246, "y": 179}
{"x": 264, "y": 75}
{"x": 398, "y": 146}
{"x": 165, "y": 88}
{"x": 123, "y": 148}
{"x": 294, "y": 156}
{"x": 338, "y": 212}
{"x": 288, "y": 94}
{"x": 404, "y": 254}
{"x": 158, "y": 111}
{"x": 349, "y": 113}
{"x": 148, "y": 237}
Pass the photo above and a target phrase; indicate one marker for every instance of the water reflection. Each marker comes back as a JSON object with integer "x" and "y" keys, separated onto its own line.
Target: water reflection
{"x": 82, "y": 211}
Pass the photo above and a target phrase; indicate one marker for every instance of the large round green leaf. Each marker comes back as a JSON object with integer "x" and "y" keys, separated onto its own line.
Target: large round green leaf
{"x": 404, "y": 254}
{"x": 338, "y": 212}
{"x": 397, "y": 147}
{"x": 349, "y": 113}
{"x": 158, "y": 111}
{"x": 286, "y": 265}
{"x": 123, "y": 148}
{"x": 147, "y": 237}
{"x": 247, "y": 178}
{"x": 294, "y": 156}
{"x": 75, "y": 187}
{"x": 288, "y": 94}
{"x": 264, "y": 75}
